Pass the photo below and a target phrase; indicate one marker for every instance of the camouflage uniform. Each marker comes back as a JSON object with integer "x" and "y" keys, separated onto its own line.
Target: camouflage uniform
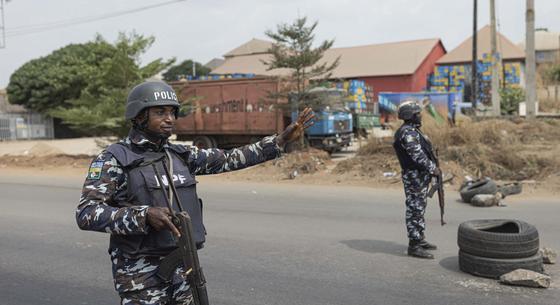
{"x": 103, "y": 208}
{"x": 412, "y": 150}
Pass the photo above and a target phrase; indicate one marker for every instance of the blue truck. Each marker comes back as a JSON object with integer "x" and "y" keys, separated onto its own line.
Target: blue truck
{"x": 332, "y": 130}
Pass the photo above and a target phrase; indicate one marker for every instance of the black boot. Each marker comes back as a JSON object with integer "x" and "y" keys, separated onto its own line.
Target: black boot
{"x": 426, "y": 245}
{"x": 415, "y": 249}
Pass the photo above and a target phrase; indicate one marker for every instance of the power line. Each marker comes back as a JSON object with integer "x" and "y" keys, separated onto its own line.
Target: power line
{"x": 37, "y": 28}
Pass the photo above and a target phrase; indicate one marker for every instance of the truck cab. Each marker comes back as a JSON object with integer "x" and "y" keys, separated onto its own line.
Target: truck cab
{"x": 332, "y": 130}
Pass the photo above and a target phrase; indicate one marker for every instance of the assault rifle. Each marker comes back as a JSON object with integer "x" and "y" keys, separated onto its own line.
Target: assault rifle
{"x": 186, "y": 252}
{"x": 438, "y": 186}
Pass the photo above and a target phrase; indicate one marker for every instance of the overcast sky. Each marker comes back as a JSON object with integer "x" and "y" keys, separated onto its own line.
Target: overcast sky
{"x": 204, "y": 29}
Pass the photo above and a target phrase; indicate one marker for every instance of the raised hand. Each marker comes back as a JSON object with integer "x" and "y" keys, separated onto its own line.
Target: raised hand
{"x": 295, "y": 130}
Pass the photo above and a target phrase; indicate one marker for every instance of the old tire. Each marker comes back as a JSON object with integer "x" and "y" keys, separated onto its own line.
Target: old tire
{"x": 484, "y": 200}
{"x": 494, "y": 267}
{"x": 498, "y": 238}
{"x": 478, "y": 187}
{"x": 510, "y": 189}
{"x": 204, "y": 142}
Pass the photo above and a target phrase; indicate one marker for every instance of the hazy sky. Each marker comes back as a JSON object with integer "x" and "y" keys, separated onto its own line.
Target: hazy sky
{"x": 204, "y": 29}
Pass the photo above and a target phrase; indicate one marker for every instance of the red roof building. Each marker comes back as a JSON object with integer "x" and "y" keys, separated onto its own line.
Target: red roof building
{"x": 397, "y": 67}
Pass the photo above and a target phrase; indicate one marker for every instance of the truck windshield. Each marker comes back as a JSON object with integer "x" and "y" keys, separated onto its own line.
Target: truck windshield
{"x": 327, "y": 99}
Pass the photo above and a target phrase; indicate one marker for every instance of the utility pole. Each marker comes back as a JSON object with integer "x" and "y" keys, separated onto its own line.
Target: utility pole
{"x": 193, "y": 69}
{"x": 474, "y": 60}
{"x": 2, "y": 25}
{"x": 530, "y": 66}
{"x": 495, "y": 63}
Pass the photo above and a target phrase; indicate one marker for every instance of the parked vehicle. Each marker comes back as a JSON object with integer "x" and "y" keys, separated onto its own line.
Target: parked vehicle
{"x": 359, "y": 100}
{"x": 332, "y": 130}
{"x": 231, "y": 112}
{"x": 365, "y": 122}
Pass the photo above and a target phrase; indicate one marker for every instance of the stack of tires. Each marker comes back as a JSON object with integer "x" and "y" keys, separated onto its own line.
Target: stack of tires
{"x": 492, "y": 247}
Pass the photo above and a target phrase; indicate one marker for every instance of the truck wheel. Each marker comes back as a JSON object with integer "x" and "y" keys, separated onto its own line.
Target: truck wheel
{"x": 494, "y": 267}
{"x": 498, "y": 238}
{"x": 204, "y": 142}
{"x": 479, "y": 187}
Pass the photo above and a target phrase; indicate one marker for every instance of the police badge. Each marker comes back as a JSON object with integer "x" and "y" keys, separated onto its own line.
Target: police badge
{"x": 94, "y": 172}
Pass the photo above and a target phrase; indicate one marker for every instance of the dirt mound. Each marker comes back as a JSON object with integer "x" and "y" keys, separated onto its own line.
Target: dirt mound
{"x": 374, "y": 159}
{"x": 43, "y": 149}
{"x": 46, "y": 161}
{"x": 501, "y": 149}
{"x": 289, "y": 166}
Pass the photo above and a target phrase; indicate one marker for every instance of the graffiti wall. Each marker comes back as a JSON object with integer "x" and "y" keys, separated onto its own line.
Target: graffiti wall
{"x": 454, "y": 78}
{"x": 441, "y": 105}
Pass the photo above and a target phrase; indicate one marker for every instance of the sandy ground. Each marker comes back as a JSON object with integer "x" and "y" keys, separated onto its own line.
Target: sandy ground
{"x": 70, "y": 158}
{"x": 81, "y": 146}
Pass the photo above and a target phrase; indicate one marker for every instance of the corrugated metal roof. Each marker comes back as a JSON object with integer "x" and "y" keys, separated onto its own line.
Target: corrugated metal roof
{"x": 253, "y": 46}
{"x": 463, "y": 53}
{"x": 397, "y": 58}
{"x": 214, "y": 63}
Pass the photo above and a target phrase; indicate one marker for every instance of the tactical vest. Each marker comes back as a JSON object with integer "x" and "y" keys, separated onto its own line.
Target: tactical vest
{"x": 404, "y": 158}
{"x": 143, "y": 189}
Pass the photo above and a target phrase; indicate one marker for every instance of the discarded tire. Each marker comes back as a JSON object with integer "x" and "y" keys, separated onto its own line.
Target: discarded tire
{"x": 485, "y": 200}
{"x": 510, "y": 189}
{"x": 485, "y": 186}
{"x": 494, "y": 267}
{"x": 498, "y": 238}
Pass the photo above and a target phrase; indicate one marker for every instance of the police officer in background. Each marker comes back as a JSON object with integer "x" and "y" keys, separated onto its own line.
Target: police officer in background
{"x": 122, "y": 198}
{"x": 413, "y": 151}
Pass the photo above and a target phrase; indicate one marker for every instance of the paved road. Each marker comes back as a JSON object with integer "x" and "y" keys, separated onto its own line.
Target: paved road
{"x": 267, "y": 244}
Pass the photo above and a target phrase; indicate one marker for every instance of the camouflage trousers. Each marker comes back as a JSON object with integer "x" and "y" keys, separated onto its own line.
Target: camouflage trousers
{"x": 174, "y": 294}
{"x": 137, "y": 282}
{"x": 416, "y": 186}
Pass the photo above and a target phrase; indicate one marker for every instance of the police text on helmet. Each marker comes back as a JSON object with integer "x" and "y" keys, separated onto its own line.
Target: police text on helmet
{"x": 165, "y": 95}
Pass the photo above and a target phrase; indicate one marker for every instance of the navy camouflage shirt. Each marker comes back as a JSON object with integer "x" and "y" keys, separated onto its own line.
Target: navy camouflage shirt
{"x": 410, "y": 139}
{"x": 103, "y": 205}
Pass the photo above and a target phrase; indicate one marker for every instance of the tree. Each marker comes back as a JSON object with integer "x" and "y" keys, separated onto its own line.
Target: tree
{"x": 99, "y": 109}
{"x": 53, "y": 80}
{"x": 293, "y": 49}
{"x": 510, "y": 98}
{"x": 553, "y": 73}
{"x": 183, "y": 69}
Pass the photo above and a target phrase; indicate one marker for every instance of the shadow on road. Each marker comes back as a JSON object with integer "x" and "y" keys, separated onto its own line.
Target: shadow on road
{"x": 451, "y": 263}
{"x": 376, "y": 246}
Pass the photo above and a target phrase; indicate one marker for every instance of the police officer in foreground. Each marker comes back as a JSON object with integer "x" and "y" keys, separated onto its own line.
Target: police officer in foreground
{"x": 122, "y": 198}
{"x": 413, "y": 151}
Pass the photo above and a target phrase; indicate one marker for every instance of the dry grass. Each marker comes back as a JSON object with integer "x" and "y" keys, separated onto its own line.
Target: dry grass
{"x": 501, "y": 149}
{"x": 549, "y": 105}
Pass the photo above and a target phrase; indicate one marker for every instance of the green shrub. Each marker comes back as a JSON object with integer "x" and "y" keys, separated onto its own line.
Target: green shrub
{"x": 510, "y": 97}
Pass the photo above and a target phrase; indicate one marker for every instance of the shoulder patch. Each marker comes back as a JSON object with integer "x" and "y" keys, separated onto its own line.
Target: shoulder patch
{"x": 94, "y": 172}
{"x": 410, "y": 139}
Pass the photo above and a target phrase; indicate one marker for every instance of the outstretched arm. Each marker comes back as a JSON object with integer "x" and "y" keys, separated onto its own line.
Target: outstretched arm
{"x": 215, "y": 161}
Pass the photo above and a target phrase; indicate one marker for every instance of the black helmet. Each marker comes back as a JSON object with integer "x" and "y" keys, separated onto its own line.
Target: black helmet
{"x": 408, "y": 109}
{"x": 149, "y": 94}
